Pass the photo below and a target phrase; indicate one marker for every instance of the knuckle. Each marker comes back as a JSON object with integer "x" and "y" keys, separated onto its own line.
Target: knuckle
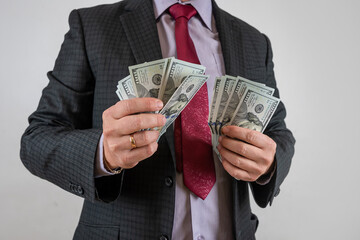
{"x": 252, "y": 178}
{"x": 243, "y": 149}
{"x": 112, "y": 148}
{"x": 251, "y": 136}
{"x": 237, "y": 175}
{"x": 138, "y": 123}
{"x": 258, "y": 170}
{"x": 273, "y": 145}
{"x": 267, "y": 159}
{"x": 106, "y": 114}
{"x": 125, "y": 162}
{"x": 149, "y": 150}
{"x": 263, "y": 170}
{"x": 126, "y": 105}
{"x": 107, "y": 132}
{"x": 132, "y": 165}
{"x": 146, "y": 137}
{"x": 238, "y": 162}
{"x": 149, "y": 104}
{"x": 119, "y": 104}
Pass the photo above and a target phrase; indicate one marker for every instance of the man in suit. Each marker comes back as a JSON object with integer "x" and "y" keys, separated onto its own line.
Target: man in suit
{"x": 78, "y": 137}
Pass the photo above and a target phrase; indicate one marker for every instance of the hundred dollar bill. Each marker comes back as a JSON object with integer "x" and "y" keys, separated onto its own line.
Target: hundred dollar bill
{"x": 255, "y": 110}
{"x": 181, "y": 97}
{"x": 147, "y": 78}
{"x": 213, "y": 102}
{"x": 259, "y": 86}
{"x": 224, "y": 97}
{"x": 125, "y": 89}
{"x": 177, "y": 71}
{"x": 234, "y": 100}
{"x": 217, "y": 103}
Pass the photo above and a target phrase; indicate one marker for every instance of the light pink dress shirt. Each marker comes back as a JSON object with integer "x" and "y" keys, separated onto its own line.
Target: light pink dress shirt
{"x": 194, "y": 218}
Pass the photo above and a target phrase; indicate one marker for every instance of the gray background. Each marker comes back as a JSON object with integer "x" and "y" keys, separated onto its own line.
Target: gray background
{"x": 317, "y": 62}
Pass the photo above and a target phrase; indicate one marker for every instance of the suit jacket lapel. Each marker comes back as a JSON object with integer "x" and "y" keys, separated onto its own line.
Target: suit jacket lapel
{"x": 140, "y": 29}
{"x": 231, "y": 42}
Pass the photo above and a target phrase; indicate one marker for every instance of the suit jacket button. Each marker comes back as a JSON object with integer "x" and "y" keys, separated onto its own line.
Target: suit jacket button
{"x": 163, "y": 237}
{"x": 71, "y": 186}
{"x": 80, "y": 190}
{"x": 169, "y": 182}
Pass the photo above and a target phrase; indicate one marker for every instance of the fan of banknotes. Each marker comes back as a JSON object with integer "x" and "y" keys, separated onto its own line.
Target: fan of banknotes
{"x": 173, "y": 81}
{"x": 235, "y": 101}
{"x": 240, "y": 102}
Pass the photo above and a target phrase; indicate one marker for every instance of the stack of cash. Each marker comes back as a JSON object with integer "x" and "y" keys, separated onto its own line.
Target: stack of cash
{"x": 236, "y": 100}
{"x": 240, "y": 102}
{"x": 173, "y": 81}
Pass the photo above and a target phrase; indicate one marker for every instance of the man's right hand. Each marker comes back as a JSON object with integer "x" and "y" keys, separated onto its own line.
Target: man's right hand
{"x": 125, "y": 119}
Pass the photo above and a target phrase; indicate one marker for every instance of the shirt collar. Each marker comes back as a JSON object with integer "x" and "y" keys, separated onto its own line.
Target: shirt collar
{"x": 203, "y": 7}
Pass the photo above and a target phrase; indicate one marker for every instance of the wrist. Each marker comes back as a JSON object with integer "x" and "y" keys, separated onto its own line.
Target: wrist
{"x": 109, "y": 168}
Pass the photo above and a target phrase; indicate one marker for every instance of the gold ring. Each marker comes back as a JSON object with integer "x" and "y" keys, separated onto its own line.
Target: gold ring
{"x": 132, "y": 141}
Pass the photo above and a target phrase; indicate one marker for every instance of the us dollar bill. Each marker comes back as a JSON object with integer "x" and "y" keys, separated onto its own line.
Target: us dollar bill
{"x": 224, "y": 97}
{"x": 217, "y": 103}
{"x": 213, "y": 103}
{"x": 259, "y": 86}
{"x": 181, "y": 97}
{"x": 255, "y": 110}
{"x": 241, "y": 86}
{"x": 147, "y": 78}
{"x": 125, "y": 89}
{"x": 177, "y": 71}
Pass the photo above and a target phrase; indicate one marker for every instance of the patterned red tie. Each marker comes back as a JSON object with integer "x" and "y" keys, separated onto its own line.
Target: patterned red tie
{"x": 192, "y": 133}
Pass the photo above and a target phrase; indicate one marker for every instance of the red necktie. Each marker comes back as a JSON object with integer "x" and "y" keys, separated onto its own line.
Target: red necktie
{"x": 192, "y": 133}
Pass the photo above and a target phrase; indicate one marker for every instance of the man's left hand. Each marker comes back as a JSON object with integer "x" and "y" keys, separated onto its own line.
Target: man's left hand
{"x": 246, "y": 154}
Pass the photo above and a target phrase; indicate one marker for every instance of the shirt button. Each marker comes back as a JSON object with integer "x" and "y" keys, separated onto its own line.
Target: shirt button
{"x": 200, "y": 237}
{"x": 169, "y": 182}
{"x": 163, "y": 237}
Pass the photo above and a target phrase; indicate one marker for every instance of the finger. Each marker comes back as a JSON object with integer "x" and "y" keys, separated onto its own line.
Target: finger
{"x": 242, "y": 148}
{"x": 135, "y": 105}
{"x": 237, "y": 173}
{"x": 133, "y": 123}
{"x": 250, "y": 136}
{"x": 240, "y": 162}
{"x": 139, "y": 154}
{"x": 141, "y": 139}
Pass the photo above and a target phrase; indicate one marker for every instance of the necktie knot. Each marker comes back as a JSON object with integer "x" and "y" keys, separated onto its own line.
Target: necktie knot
{"x": 180, "y": 10}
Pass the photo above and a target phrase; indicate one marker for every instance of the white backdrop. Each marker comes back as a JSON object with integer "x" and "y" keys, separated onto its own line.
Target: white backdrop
{"x": 316, "y": 48}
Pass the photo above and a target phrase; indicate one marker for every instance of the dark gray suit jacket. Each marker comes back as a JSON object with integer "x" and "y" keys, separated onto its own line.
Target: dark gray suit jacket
{"x": 61, "y": 141}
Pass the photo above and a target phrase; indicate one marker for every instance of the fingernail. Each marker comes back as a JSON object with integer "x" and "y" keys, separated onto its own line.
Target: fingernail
{"x": 159, "y": 104}
{"x": 220, "y": 138}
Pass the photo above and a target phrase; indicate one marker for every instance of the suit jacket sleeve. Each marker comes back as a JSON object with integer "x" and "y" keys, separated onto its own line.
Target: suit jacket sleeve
{"x": 60, "y": 144}
{"x": 264, "y": 194}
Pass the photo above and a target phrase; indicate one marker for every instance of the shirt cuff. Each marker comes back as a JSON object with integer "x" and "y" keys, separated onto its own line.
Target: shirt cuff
{"x": 100, "y": 170}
